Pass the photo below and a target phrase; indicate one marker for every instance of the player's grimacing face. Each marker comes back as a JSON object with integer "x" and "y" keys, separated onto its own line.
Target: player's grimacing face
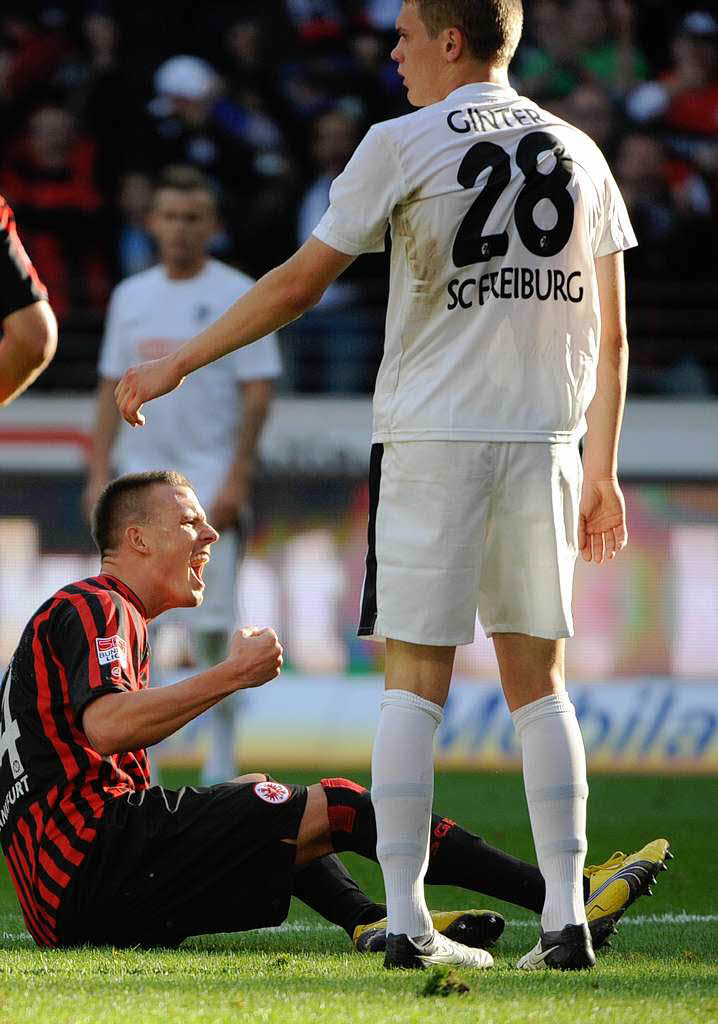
{"x": 420, "y": 58}
{"x": 181, "y": 538}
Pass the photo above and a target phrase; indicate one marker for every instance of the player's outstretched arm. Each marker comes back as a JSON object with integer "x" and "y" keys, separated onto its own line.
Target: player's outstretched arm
{"x": 602, "y": 514}
{"x": 28, "y": 343}
{"x": 279, "y": 297}
{"x": 131, "y": 720}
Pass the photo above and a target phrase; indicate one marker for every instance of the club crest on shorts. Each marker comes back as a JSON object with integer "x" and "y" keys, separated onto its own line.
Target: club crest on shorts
{"x": 272, "y": 792}
{"x": 111, "y": 648}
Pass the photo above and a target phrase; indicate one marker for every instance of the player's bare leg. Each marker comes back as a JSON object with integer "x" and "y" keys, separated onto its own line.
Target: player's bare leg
{"x": 313, "y": 838}
{"x": 554, "y": 767}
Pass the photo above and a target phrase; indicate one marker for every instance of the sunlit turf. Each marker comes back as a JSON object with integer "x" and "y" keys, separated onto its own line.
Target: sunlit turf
{"x": 306, "y": 971}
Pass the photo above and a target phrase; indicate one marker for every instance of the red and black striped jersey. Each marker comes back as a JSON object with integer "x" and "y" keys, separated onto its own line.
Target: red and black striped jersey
{"x": 88, "y": 639}
{"x": 19, "y": 284}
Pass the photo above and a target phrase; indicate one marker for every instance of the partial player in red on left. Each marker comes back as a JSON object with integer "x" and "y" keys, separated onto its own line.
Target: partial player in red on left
{"x": 29, "y": 328}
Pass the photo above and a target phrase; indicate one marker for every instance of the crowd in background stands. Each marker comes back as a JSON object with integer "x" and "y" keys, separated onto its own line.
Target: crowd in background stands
{"x": 269, "y": 99}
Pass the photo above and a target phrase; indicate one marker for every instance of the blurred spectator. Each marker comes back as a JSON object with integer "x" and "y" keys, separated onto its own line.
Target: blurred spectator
{"x": 670, "y": 213}
{"x": 373, "y": 79}
{"x": 249, "y": 107}
{"x": 331, "y": 348}
{"x": 321, "y": 77}
{"x": 674, "y": 237}
{"x": 95, "y": 87}
{"x": 542, "y": 63}
{"x": 381, "y": 14}
{"x": 135, "y": 248}
{"x": 582, "y": 41}
{"x": 685, "y": 100}
{"x": 238, "y": 147}
{"x": 31, "y": 51}
{"x": 591, "y": 109}
{"x": 252, "y": 109}
{"x": 316, "y": 21}
{"x": 183, "y": 128}
{"x": 49, "y": 178}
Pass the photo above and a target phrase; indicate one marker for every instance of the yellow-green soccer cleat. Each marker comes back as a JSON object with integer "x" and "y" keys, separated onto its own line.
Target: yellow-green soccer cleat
{"x": 475, "y": 928}
{"x": 616, "y": 884}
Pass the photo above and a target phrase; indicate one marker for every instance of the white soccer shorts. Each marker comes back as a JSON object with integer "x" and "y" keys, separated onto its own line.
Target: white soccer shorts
{"x": 456, "y": 526}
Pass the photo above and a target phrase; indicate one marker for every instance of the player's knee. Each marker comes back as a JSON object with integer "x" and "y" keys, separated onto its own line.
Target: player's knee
{"x": 349, "y": 810}
{"x": 340, "y": 790}
{"x": 252, "y": 777}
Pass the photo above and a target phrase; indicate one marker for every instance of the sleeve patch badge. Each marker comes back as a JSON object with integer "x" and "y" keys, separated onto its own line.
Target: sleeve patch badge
{"x": 272, "y": 792}
{"x": 111, "y": 649}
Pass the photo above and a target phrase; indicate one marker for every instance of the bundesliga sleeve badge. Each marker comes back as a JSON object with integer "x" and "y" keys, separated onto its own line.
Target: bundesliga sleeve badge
{"x": 111, "y": 649}
{"x": 272, "y": 792}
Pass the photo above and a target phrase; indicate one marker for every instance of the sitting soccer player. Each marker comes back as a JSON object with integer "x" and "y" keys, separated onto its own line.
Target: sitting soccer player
{"x": 98, "y": 855}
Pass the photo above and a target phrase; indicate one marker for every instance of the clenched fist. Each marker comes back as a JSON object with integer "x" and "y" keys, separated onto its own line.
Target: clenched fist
{"x": 255, "y": 656}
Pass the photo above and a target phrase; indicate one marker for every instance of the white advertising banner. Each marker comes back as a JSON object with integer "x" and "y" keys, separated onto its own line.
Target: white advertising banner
{"x": 660, "y": 725}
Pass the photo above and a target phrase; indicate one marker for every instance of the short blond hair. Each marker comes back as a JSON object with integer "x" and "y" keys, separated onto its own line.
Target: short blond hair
{"x": 125, "y": 499}
{"x": 492, "y": 28}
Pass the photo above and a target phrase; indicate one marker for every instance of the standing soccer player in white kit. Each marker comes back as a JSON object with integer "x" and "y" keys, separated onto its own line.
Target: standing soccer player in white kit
{"x": 209, "y": 431}
{"x": 506, "y": 271}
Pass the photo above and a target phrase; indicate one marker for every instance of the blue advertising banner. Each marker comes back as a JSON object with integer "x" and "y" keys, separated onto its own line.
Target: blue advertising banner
{"x": 653, "y": 725}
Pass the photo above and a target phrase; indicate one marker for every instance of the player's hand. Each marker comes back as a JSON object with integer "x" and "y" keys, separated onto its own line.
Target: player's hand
{"x": 255, "y": 656}
{"x": 144, "y": 382}
{"x": 602, "y": 520}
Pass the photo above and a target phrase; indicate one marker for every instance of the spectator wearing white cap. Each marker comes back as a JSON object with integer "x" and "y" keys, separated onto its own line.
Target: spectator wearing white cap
{"x": 182, "y": 127}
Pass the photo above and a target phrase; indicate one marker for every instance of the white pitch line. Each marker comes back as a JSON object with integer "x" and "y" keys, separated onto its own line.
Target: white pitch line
{"x": 681, "y": 917}
{"x": 638, "y": 920}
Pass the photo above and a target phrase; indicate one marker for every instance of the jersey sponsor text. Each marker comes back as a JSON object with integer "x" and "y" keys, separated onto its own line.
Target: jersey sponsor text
{"x": 525, "y": 283}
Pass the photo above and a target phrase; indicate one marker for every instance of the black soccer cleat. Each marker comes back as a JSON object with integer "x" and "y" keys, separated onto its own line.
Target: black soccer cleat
{"x": 569, "y": 949}
{"x": 477, "y": 928}
{"x": 403, "y": 953}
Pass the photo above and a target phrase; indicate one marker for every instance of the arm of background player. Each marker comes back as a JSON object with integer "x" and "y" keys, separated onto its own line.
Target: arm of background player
{"x": 276, "y": 299}
{"x": 28, "y": 344}
{"x": 602, "y": 528}
{"x": 107, "y": 420}
{"x": 234, "y": 493}
{"x": 118, "y": 722}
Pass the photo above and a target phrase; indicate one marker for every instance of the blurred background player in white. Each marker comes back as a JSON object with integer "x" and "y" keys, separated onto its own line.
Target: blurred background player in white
{"x": 29, "y": 329}
{"x": 208, "y": 429}
{"x": 506, "y": 273}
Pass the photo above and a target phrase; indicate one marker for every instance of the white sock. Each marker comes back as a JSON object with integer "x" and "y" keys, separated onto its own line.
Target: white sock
{"x": 554, "y": 763}
{"x": 402, "y": 770}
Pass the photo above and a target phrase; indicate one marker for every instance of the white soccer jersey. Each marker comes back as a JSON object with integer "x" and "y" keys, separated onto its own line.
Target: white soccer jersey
{"x": 194, "y": 428}
{"x": 497, "y": 211}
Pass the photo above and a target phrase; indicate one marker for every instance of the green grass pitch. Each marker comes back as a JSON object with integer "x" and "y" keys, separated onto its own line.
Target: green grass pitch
{"x": 663, "y": 967}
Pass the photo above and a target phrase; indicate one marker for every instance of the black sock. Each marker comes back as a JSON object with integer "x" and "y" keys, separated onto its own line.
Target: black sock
{"x": 456, "y": 857}
{"x": 326, "y": 886}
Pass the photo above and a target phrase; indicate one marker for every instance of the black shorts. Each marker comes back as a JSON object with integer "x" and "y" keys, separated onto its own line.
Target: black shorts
{"x": 167, "y": 864}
